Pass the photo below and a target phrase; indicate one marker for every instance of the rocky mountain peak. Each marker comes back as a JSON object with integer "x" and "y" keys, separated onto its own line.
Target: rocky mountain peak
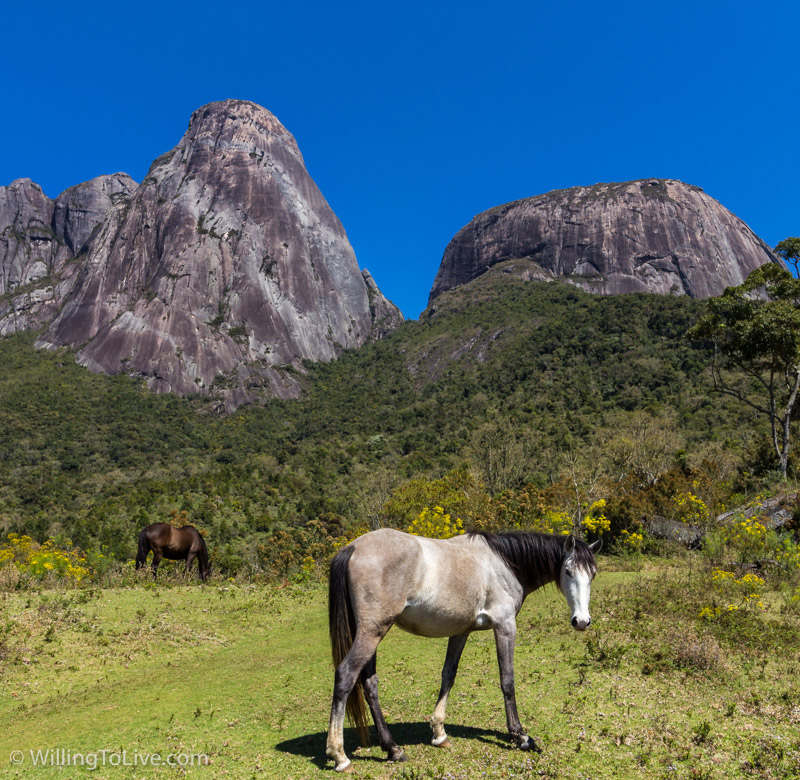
{"x": 224, "y": 124}
{"x": 225, "y": 270}
{"x": 653, "y": 235}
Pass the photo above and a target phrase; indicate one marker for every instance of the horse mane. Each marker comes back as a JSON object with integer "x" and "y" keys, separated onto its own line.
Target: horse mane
{"x": 536, "y": 559}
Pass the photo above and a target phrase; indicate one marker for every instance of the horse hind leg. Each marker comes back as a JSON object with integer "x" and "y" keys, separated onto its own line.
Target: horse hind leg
{"x": 156, "y": 560}
{"x": 455, "y": 647}
{"x": 190, "y": 556}
{"x": 347, "y": 675}
{"x": 369, "y": 679}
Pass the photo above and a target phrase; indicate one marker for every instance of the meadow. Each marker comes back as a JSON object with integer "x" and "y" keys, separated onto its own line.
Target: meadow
{"x": 240, "y": 673}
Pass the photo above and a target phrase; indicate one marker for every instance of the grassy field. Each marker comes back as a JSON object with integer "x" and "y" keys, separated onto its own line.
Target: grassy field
{"x": 242, "y": 674}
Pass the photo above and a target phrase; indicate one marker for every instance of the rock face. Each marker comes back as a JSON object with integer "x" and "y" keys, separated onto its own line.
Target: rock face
{"x": 654, "y": 235}
{"x": 28, "y": 246}
{"x": 225, "y": 270}
{"x": 38, "y": 240}
{"x": 80, "y": 209}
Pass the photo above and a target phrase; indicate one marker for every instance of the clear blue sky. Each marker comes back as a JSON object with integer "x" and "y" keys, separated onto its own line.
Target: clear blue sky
{"x": 415, "y": 116}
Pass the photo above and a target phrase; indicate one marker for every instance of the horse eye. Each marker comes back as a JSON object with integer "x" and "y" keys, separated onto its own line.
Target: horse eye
{"x": 568, "y": 572}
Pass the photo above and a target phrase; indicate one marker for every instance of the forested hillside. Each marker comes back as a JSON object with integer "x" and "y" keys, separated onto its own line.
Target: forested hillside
{"x": 506, "y": 388}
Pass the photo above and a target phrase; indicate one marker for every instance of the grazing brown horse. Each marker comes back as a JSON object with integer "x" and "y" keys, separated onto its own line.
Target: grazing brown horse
{"x": 174, "y": 544}
{"x": 440, "y": 588}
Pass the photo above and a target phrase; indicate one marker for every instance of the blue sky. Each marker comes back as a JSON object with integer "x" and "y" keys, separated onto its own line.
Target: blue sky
{"x": 414, "y": 117}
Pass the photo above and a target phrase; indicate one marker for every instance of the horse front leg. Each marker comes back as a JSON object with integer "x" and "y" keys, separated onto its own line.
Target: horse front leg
{"x": 455, "y": 646}
{"x": 505, "y": 636}
{"x": 369, "y": 679}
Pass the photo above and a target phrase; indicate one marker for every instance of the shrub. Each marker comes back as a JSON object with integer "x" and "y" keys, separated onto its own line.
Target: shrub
{"x": 631, "y": 541}
{"x": 743, "y": 593}
{"x": 46, "y": 562}
{"x": 531, "y": 509}
{"x": 456, "y": 492}
{"x": 435, "y": 524}
{"x": 690, "y": 509}
{"x": 300, "y": 552}
{"x": 595, "y": 522}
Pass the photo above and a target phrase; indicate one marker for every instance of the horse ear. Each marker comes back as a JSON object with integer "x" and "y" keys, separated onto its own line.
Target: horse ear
{"x": 569, "y": 545}
{"x": 596, "y": 545}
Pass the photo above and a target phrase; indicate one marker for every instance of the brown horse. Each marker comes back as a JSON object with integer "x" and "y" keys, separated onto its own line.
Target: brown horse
{"x": 174, "y": 544}
{"x": 440, "y": 588}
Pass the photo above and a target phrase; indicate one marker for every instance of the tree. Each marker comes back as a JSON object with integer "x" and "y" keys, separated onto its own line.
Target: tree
{"x": 789, "y": 250}
{"x": 582, "y": 469}
{"x": 755, "y": 330}
{"x": 643, "y": 446}
{"x": 502, "y": 453}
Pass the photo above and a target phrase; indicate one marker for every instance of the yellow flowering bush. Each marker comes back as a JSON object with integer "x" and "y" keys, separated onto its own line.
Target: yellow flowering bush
{"x": 690, "y": 509}
{"x": 743, "y": 593}
{"x": 631, "y": 540}
{"x": 595, "y": 521}
{"x": 553, "y": 521}
{"x": 435, "y": 524}
{"x": 749, "y": 539}
{"x": 45, "y": 561}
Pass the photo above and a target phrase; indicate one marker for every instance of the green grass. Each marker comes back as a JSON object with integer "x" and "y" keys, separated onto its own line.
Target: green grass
{"x": 242, "y": 674}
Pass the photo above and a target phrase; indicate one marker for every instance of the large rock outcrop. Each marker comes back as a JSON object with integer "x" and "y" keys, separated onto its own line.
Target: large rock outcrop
{"x": 654, "y": 235}
{"x": 224, "y": 271}
{"x": 39, "y": 239}
{"x": 80, "y": 209}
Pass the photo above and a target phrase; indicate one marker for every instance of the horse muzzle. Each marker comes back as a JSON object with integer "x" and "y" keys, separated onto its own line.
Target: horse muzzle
{"x": 581, "y": 624}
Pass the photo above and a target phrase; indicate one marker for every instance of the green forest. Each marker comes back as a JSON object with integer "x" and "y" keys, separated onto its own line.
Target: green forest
{"x": 507, "y": 404}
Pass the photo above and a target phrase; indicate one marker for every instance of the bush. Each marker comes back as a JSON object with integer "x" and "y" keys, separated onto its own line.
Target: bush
{"x": 435, "y": 524}
{"x": 48, "y": 562}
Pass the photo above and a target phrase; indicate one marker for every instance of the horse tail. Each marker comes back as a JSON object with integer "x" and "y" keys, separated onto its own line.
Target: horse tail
{"x": 342, "y": 625}
{"x": 144, "y": 548}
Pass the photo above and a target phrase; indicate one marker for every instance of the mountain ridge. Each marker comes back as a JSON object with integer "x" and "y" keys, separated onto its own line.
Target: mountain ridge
{"x": 225, "y": 270}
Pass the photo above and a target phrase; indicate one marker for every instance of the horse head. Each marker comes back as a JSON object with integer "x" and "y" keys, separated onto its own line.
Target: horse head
{"x": 575, "y": 581}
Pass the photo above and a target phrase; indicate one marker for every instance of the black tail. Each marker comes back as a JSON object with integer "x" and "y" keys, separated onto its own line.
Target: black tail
{"x": 342, "y": 624}
{"x": 144, "y": 548}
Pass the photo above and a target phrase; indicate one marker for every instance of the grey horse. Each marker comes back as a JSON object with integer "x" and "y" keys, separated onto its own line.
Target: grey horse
{"x": 440, "y": 588}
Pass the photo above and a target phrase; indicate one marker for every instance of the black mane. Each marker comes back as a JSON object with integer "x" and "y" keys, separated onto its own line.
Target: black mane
{"x": 536, "y": 559}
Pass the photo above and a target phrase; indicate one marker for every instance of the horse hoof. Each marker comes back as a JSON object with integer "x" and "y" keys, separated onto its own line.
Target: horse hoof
{"x": 400, "y": 755}
{"x": 346, "y": 768}
{"x": 529, "y": 744}
{"x": 445, "y": 743}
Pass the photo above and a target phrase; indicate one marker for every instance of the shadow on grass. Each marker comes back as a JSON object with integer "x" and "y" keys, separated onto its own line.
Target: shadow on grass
{"x": 312, "y": 746}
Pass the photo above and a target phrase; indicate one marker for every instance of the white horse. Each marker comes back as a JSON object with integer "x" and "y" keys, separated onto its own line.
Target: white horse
{"x": 438, "y": 588}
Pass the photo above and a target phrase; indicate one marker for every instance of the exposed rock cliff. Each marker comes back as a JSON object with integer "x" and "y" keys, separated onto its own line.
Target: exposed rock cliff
{"x": 225, "y": 270}
{"x": 29, "y": 249}
{"x": 655, "y": 235}
{"x": 80, "y": 209}
{"x": 38, "y": 240}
